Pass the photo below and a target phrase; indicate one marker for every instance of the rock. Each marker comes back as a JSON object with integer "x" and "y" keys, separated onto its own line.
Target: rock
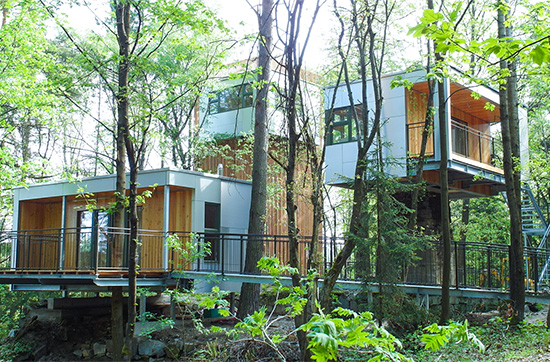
{"x": 40, "y": 351}
{"x": 189, "y": 347}
{"x": 86, "y": 353}
{"x": 151, "y": 348}
{"x": 100, "y": 349}
{"x": 174, "y": 348}
{"x": 78, "y": 353}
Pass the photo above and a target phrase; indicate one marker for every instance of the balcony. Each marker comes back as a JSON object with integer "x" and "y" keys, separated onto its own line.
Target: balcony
{"x": 474, "y": 145}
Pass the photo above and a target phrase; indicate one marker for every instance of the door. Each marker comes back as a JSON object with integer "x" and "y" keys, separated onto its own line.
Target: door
{"x": 93, "y": 239}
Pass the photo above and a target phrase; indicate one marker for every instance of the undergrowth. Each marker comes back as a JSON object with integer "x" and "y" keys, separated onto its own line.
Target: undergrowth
{"x": 502, "y": 343}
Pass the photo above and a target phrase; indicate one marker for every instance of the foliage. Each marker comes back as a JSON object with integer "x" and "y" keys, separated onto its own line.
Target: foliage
{"x": 441, "y": 27}
{"x": 502, "y": 343}
{"x": 488, "y": 222}
{"x": 14, "y": 306}
{"x": 345, "y": 328}
{"x": 11, "y": 349}
{"x": 453, "y": 333}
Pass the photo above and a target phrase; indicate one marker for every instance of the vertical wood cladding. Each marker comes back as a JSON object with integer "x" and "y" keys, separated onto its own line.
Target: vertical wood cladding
{"x": 236, "y": 157}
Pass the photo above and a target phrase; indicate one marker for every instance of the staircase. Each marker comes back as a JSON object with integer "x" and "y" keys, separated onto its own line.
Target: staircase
{"x": 532, "y": 220}
{"x": 534, "y": 223}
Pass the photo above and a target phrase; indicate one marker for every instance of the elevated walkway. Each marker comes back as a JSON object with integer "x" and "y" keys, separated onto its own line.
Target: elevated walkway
{"x": 479, "y": 270}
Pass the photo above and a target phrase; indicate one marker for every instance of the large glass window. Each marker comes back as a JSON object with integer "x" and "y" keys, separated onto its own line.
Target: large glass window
{"x": 459, "y": 135}
{"x": 240, "y": 96}
{"x": 342, "y": 126}
{"x": 93, "y": 239}
{"x": 212, "y": 230}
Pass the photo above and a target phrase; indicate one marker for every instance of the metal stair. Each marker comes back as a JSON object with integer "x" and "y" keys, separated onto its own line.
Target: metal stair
{"x": 533, "y": 223}
{"x": 532, "y": 219}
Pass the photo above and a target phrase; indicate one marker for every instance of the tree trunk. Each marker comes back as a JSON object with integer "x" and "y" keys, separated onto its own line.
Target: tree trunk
{"x": 117, "y": 322}
{"x": 250, "y": 292}
{"x": 445, "y": 216}
{"x": 510, "y": 144}
{"x": 122, "y": 11}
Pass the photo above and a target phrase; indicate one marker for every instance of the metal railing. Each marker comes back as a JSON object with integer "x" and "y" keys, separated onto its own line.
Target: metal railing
{"x": 474, "y": 265}
{"x": 475, "y": 144}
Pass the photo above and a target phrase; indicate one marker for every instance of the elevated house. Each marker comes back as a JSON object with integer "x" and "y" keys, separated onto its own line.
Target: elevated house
{"x": 473, "y": 126}
{"x": 227, "y": 115}
{"x": 63, "y": 239}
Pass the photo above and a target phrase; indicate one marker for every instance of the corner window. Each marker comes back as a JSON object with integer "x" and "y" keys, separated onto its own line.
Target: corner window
{"x": 240, "y": 96}
{"x": 342, "y": 127}
{"x": 212, "y": 230}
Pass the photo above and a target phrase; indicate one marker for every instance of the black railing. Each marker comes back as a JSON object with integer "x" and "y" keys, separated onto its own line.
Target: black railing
{"x": 474, "y": 265}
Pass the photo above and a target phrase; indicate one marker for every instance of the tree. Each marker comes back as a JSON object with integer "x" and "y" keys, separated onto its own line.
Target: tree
{"x": 298, "y": 132}
{"x": 511, "y": 156}
{"x": 142, "y": 29}
{"x": 250, "y": 292}
{"x": 364, "y": 36}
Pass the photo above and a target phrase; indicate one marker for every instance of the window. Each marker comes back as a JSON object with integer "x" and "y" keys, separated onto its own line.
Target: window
{"x": 212, "y": 230}
{"x": 342, "y": 126}
{"x": 459, "y": 135}
{"x": 240, "y": 96}
{"x": 93, "y": 240}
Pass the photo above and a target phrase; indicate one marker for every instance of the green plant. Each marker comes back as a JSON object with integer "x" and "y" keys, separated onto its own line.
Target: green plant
{"x": 345, "y": 328}
{"x": 455, "y": 332}
{"x": 161, "y": 323}
{"x": 10, "y": 350}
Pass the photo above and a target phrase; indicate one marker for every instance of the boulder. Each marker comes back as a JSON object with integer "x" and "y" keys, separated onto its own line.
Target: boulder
{"x": 100, "y": 349}
{"x": 151, "y": 348}
{"x": 174, "y": 348}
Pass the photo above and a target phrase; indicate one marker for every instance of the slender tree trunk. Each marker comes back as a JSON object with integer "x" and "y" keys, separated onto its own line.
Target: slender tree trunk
{"x": 510, "y": 144}
{"x": 122, "y": 12}
{"x": 445, "y": 216}
{"x": 364, "y": 139}
{"x": 250, "y": 292}
{"x": 117, "y": 322}
{"x": 465, "y": 219}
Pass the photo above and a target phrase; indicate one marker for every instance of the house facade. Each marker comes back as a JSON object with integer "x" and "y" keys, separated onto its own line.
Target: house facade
{"x": 473, "y": 126}
{"x": 63, "y": 238}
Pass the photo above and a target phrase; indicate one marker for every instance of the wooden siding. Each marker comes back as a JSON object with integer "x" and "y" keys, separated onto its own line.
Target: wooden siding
{"x": 180, "y": 221}
{"x": 416, "y": 105}
{"x": 40, "y": 248}
{"x": 237, "y": 163}
{"x": 433, "y": 177}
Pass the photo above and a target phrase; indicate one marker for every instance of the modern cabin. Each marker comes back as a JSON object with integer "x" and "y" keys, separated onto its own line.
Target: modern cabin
{"x": 473, "y": 126}
{"x": 227, "y": 115}
{"x": 64, "y": 240}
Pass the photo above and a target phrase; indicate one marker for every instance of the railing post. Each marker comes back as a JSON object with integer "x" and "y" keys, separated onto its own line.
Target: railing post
{"x": 464, "y": 273}
{"x": 28, "y": 241}
{"x": 59, "y": 265}
{"x": 456, "y": 265}
{"x": 489, "y": 267}
{"x": 536, "y": 269}
{"x": 96, "y": 266}
{"x": 222, "y": 241}
{"x": 199, "y": 251}
{"x": 241, "y": 265}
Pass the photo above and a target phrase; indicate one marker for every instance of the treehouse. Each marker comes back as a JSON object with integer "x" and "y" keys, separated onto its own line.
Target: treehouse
{"x": 473, "y": 128}
{"x": 64, "y": 238}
